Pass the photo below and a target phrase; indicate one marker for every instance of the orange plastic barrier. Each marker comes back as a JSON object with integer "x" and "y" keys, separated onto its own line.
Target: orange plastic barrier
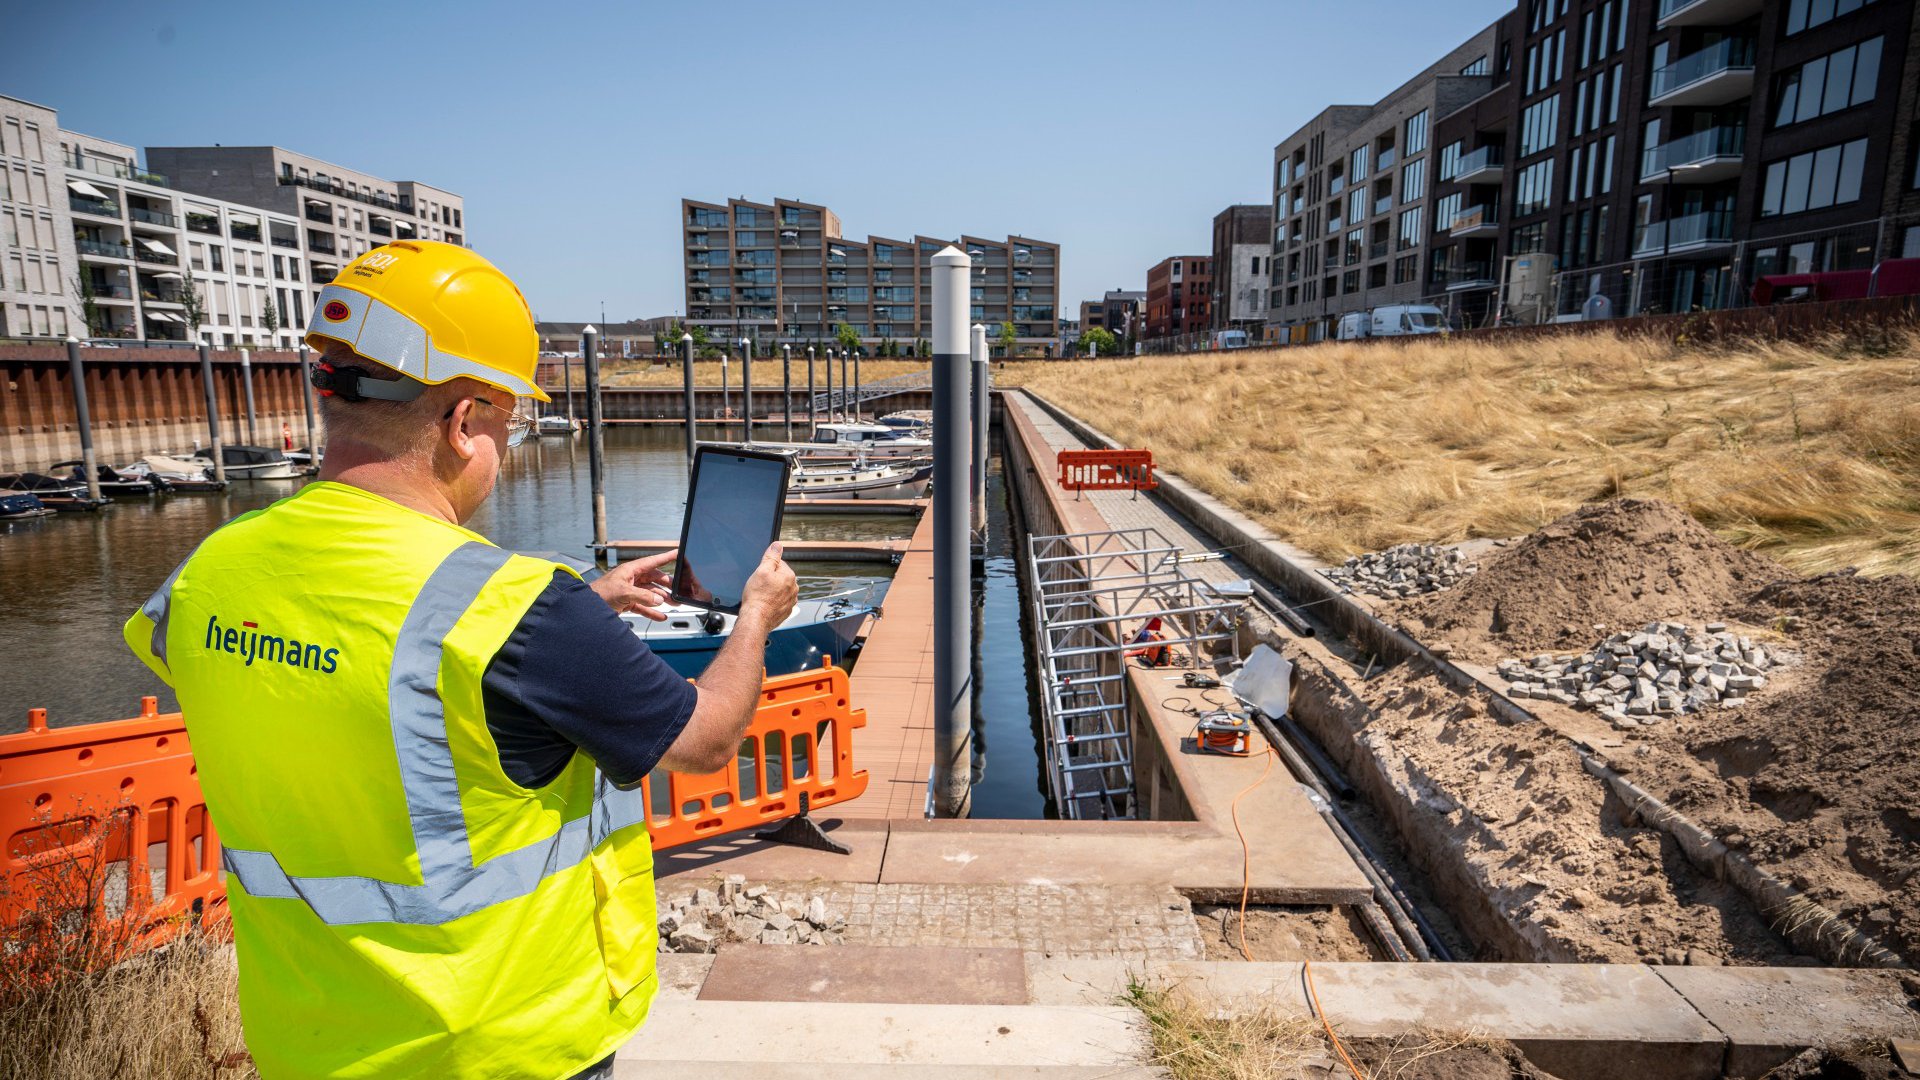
{"x": 105, "y": 823}
{"x": 105, "y": 828}
{"x": 1107, "y": 470}
{"x": 797, "y": 755}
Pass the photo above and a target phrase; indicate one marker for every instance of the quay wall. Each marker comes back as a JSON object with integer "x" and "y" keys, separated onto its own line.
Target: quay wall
{"x": 666, "y": 403}
{"x": 142, "y": 400}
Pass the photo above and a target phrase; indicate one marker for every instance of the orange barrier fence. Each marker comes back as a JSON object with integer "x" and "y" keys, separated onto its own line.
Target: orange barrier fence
{"x": 796, "y": 755}
{"x": 105, "y": 823}
{"x": 106, "y": 830}
{"x": 1107, "y": 470}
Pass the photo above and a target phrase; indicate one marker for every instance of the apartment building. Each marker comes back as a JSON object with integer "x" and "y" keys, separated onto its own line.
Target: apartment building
{"x": 1093, "y": 315}
{"x": 783, "y": 273}
{"x": 1350, "y": 197}
{"x": 342, "y": 213}
{"x": 1179, "y": 296}
{"x": 1242, "y": 244}
{"x": 1644, "y": 157}
{"x": 96, "y": 246}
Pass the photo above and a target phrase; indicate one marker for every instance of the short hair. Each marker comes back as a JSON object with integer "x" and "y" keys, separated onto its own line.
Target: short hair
{"x": 396, "y": 429}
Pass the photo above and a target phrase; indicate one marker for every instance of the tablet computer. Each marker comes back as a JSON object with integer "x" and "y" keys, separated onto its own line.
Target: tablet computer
{"x": 734, "y": 506}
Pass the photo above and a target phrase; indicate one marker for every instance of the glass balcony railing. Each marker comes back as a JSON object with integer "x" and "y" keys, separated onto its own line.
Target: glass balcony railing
{"x": 1474, "y": 217}
{"x": 1701, "y": 146}
{"x": 104, "y": 291}
{"x": 1731, "y": 54}
{"x": 1385, "y": 159}
{"x": 103, "y": 248}
{"x": 284, "y": 241}
{"x": 1383, "y": 204}
{"x": 1683, "y": 233}
{"x": 1456, "y": 277}
{"x": 404, "y": 203}
{"x": 1487, "y": 157}
{"x": 250, "y": 233}
{"x": 153, "y": 217}
{"x": 147, "y": 255}
{"x": 96, "y": 207}
{"x": 118, "y": 171}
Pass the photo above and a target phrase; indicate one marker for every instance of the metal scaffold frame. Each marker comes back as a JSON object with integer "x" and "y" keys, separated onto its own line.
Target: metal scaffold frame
{"x": 1091, "y": 595}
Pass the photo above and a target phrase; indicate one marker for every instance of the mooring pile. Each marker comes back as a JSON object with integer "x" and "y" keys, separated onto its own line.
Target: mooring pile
{"x": 1402, "y": 571}
{"x": 1634, "y": 679}
{"x": 751, "y": 913}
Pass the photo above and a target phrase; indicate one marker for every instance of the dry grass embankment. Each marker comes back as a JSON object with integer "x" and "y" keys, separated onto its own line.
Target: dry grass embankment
{"x": 766, "y": 372}
{"x": 1809, "y": 454}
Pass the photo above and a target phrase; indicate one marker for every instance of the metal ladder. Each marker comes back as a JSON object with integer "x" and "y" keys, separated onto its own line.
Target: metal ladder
{"x": 1091, "y": 593}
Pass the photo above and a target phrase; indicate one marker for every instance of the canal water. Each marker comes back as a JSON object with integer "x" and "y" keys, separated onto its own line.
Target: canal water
{"x": 1007, "y": 752}
{"x": 68, "y": 583}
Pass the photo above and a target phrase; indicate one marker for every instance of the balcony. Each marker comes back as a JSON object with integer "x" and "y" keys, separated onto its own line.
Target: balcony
{"x": 1715, "y": 75}
{"x": 1383, "y": 204}
{"x": 1336, "y": 185}
{"x": 102, "y": 249}
{"x": 1706, "y": 12}
{"x": 319, "y": 212}
{"x": 1480, "y": 167}
{"x": 162, "y": 294}
{"x": 284, "y": 241}
{"x": 118, "y": 171}
{"x": 93, "y": 207}
{"x": 103, "y": 291}
{"x": 1473, "y": 275}
{"x": 203, "y": 223}
{"x": 1704, "y": 157}
{"x": 1482, "y": 220}
{"x": 1384, "y": 159}
{"x": 379, "y": 226}
{"x": 1694, "y": 232}
{"x": 153, "y": 217}
{"x": 145, "y": 253}
{"x": 404, "y": 204}
{"x": 321, "y": 244}
{"x": 250, "y": 233}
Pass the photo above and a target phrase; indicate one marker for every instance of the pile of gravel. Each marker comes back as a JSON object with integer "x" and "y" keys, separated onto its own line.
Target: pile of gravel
{"x": 1634, "y": 679}
{"x": 740, "y": 912}
{"x": 1403, "y": 571}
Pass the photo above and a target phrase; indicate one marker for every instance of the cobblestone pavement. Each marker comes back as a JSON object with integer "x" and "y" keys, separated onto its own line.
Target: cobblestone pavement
{"x": 1079, "y": 922}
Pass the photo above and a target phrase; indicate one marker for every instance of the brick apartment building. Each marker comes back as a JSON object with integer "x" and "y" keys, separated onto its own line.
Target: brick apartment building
{"x": 1179, "y": 296}
{"x": 1242, "y": 243}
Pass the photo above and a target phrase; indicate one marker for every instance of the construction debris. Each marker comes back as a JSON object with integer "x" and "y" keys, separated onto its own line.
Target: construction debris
{"x": 1633, "y": 679}
{"x": 1403, "y": 571}
{"x": 739, "y": 912}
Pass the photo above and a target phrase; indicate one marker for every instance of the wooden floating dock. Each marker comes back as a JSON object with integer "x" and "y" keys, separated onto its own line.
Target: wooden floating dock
{"x": 877, "y": 551}
{"x": 900, "y": 507}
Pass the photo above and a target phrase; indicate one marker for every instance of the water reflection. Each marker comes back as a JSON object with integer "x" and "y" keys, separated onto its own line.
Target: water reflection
{"x": 68, "y": 583}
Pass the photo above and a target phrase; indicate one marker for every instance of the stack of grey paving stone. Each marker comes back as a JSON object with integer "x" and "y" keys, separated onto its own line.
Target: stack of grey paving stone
{"x": 1403, "y": 571}
{"x": 1634, "y": 679}
{"x": 750, "y": 913}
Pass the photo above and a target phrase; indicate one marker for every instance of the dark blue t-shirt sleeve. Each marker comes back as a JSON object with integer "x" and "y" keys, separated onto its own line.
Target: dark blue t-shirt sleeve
{"x": 571, "y": 677}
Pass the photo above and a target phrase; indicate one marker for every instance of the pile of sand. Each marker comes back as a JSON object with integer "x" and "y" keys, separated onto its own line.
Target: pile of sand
{"x": 1614, "y": 564}
{"x": 1820, "y": 781}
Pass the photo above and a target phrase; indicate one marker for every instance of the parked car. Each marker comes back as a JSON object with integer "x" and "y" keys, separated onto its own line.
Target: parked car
{"x": 1230, "y": 339}
{"x": 1392, "y": 320}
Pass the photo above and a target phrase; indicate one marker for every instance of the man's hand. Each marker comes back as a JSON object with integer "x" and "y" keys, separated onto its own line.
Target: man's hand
{"x": 771, "y": 591}
{"x": 639, "y": 586}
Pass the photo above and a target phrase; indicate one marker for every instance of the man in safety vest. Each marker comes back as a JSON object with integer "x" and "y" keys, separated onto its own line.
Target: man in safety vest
{"x": 420, "y": 751}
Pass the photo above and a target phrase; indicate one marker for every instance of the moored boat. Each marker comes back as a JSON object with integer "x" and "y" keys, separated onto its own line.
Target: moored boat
{"x": 126, "y": 480}
{"x": 860, "y": 480}
{"x": 57, "y": 494}
{"x": 818, "y": 630}
{"x": 180, "y": 475}
{"x": 22, "y": 506}
{"x": 555, "y": 424}
{"x": 251, "y": 463}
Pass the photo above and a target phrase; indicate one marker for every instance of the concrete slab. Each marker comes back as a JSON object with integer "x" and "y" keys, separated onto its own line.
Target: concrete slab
{"x": 1233, "y": 984}
{"x": 1576, "y": 1021}
{"x": 914, "y": 975}
{"x": 1770, "y": 1014}
{"x": 1186, "y": 856}
{"x": 827, "y": 1036}
{"x": 682, "y": 974}
{"x": 683, "y": 867}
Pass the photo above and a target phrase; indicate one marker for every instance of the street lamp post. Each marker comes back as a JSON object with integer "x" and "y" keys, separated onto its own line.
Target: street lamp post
{"x": 845, "y": 354}
{"x": 686, "y": 385}
{"x": 813, "y": 410}
{"x": 746, "y": 387}
{"x": 786, "y": 388}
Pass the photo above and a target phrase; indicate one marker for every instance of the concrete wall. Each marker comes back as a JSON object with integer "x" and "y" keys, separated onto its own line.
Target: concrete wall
{"x": 142, "y": 401}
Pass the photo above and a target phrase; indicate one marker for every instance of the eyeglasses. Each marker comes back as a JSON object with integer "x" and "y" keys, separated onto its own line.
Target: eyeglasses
{"x": 518, "y": 423}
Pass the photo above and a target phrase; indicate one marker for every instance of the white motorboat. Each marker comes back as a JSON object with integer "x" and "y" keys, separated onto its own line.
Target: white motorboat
{"x": 173, "y": 474}
{"x": 819, "y": 629}
{"x": 555, "y": 424}
{"x": 860, "y": 480}
{"x": 251, "y": 463}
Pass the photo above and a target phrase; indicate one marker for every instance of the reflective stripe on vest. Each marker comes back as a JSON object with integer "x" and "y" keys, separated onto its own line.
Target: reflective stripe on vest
{"x": 452, "y": 884}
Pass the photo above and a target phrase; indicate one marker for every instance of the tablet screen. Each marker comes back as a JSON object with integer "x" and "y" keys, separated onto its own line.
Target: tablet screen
{"x": 733, "y": 513}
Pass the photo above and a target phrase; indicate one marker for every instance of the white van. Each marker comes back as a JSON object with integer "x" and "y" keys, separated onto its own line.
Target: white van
{"x": 1230, "y": 339}
{"x": 1394, "y": 320}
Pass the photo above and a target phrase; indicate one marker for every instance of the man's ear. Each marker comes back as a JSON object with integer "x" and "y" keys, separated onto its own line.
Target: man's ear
{"x": 457, "y": 436}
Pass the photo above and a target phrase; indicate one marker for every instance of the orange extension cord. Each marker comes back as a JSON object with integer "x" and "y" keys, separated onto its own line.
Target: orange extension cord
{"x": 1246, "y": 887}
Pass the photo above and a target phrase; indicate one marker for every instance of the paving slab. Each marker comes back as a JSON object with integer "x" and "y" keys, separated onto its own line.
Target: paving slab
{"x": 1770, "y": 1014}
{"x": 682, "y": 974}
{"x": 1288, "y": 868}
{"x": 913, "y": 975}
{"x": 827, "y": 1036}
{"x": 764, "y": 860}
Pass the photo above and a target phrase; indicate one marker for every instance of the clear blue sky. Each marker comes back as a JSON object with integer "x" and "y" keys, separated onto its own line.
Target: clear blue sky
{"x": 1117, "y": 129}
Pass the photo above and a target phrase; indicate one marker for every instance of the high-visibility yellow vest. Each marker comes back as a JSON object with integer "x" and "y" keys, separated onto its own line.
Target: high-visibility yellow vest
{"x": 401, "y": 907}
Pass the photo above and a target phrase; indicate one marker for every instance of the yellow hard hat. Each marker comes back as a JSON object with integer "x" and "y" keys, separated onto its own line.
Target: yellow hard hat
{"x": 432, "y": 312}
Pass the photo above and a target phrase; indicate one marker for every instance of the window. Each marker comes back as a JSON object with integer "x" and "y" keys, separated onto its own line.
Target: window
{"x": 1413, "y": 182}
{"x": 1814, "y": 181}
{"x": 1533, "y": 188}
{"x": 1357, "y": 204}
{"x": 1410, "y": 225}
{"x": 1539, "y": 126}
{"x": 1357, "y": 163}
{"x": 1416, "y": 140}
{"x": 1806, "y": 14}
{"x": 1445, "y": 209}
{"x": 1406, "y": 267}
{"x": 1828, "y": 84}
{"x": 1479, "y": 66}
{"x": 1528, "y": 239}
{"x": 1450, "y": 160}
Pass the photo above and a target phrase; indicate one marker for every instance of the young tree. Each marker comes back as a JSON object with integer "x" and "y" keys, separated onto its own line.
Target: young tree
{"x": 1008, "y": 335}
{"x": 270, "y": 317}
{"x": 923, "y": 348}
{"x": 196, "y": 309}
{"x": 89, "y": 311}
{"x": 847, "y": 336}
{"x": 703, "y": 343}
{"x": 1098, "y": 340}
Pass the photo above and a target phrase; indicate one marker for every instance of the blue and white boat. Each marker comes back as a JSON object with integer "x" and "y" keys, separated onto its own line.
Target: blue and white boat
{"x": 819, "y": 629}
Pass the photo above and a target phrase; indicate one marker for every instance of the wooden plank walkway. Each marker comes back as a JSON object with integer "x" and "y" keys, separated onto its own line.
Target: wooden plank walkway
{"x": 893, "y": 681}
